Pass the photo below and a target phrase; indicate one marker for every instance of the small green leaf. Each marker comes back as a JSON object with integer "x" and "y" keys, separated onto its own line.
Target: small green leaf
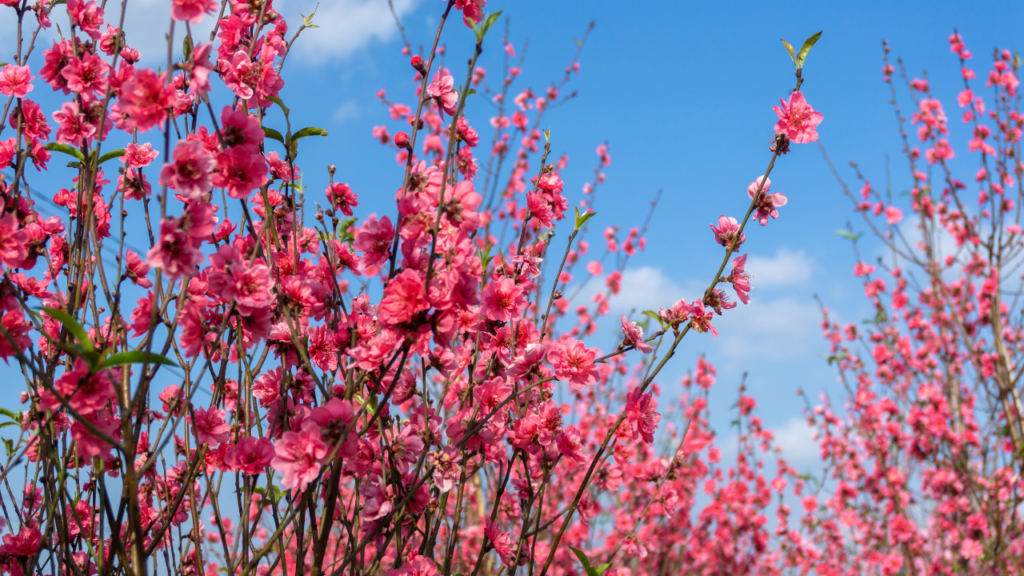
{"x": 136, "y": 357}
{"x": 655, "y": 316}
{"x": 805, "y": 49}
{"x": 186, "y": 47}
{"x": 343, "y": 230}
{"x": 307, "y": 131}
{"x": 486, "y": 25}
{"x": 848, "y": 235}
{"x": 280, "y": 103}
{"x": 6, "y": 424}
{"x": 64, "y": 148}
{"x": 590, "y": 570}
{"x": 273, "y": 134}
{"x": 111, "y": 155}
{"x": 9, "y": 445}
{"x": 73, "y": 326}
{"x": 582, "y": 219}
{"x": 789, "y": 48}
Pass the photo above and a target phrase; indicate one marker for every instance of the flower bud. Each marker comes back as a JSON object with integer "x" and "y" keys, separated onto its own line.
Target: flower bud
{"x": 402, "y": 140}
{"x": 417, "y": 64}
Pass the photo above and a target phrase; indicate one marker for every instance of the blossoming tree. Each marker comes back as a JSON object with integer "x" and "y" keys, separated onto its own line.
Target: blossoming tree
{"x": 222, "y": 400}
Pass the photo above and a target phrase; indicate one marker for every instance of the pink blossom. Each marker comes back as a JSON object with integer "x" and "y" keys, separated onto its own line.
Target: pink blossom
{"x": 88, "y": 16}
{"x": 239, "y": 128}
{"x": 13, "y": 241}
{"x": 443, "y": 90}
{"x": 240, "y": 170}
{"x": 85, "y": 393}
{"x": 503, "y": 543}
{"x": 404, "y": 297}
{"x": 210, "y": 426}
{"x": 502, "y": 300}
{"x": 740, "y": 280}
{"x": 573, "y": 362}
{"x": 86, "y": 74}
{"x": 633, "y": 336}
{"x": 136, "y": 270}
{"x": 144, "y": 100}
{"x": 447, "y": 470}
{"x": 375, "y": 242}
{"x": 798, "y": 120}
{"x": 25, "y": 543}
{"x": 139, "y": 155}
{"x": 16, "y": 80}
{"x": 250, "y": 455}
{"x": 642, "y": 415}
{"x": 570, "y": 445}
{"x": 192, "y": 10}
{"x": 74, "y": 128}
{"x": 298, "y": 456}
{"x": 342, "y": 198}
{"x": 725, "y": 232}
{"x": 173, "y": 253}
{"x": 893, "y": 215}
{"x": 766, "y": 203}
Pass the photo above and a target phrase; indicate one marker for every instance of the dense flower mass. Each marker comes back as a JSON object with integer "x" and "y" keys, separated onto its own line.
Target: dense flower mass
{"x": 231, "y": 365}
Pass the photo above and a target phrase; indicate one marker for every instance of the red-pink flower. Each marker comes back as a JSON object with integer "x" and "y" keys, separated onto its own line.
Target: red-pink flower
{"x": 16, "y": 80}
{"x": 443, "y": 90}
{"x": 766, "y": 203}
{"x": 725, "y": 232}
{"x": 250, "y": 455}
{"x": 798, "y": 120}
{"x": 240, "y": 170}
{"x": 139, "y": 155}
{"x": 374, "y": 241}
{"x": 85, "y": 393}
{"x": 210, "y": 426}
{"x": 13, "y": 241}
{"x": 136, "y": 269}
{"x": 86, "y": 74}
{"x": 173, "y": 252}
{"x": 298, "y": 456}
{"x": 642, "y": 415}
{"x": 192, "y": 10}
{"x": 446, "y": 467}
{"x": 88, "y": 16}
{"x": 17, "y": 330}
{"x": 342, "y": 198}
{"x": 570, "y": 445}
{"x": 502, "y": 300}
{"x": 502, "y": 542}
{"x": 25, "y": 543}
{"x": 633, "y": 335}
{"x": 238, "y": 128}
{"x": 472, "y": 10}
{"x": 144, "y": 100}
{"x": 404, "y": 297}
{"x": 573, "y": 362}
{"x": 74, "y": 128}
{"x": 740, "y": 280}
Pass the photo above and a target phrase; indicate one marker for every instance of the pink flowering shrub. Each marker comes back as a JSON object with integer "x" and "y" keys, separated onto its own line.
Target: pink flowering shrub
{"x": 245, "y": 410}
{"x": 925, "y": 454}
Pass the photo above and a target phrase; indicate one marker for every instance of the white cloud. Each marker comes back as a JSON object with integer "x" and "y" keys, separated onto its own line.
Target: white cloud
{"x": 797, "y": 441}
{"x": 779, "y": 329}
{"x": 348, "y": 109}
{"x": 786, "y": 268}
{"x": 345, "y": 26}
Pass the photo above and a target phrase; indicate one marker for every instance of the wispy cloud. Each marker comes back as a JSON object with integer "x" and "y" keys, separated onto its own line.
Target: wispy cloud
{"x": 785, "y": 268}
{"x": 345, "y": 26}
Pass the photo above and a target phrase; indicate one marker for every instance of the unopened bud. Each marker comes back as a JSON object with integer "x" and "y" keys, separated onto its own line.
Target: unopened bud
{"x": 331, "y": 168}
{"x": 402, "y": 140}
{"x": 417, "y": 63}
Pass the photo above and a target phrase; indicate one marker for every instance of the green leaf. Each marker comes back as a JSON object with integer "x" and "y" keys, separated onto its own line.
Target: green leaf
{"x": 136, "y": 357}
{"x": 343, "y": 230}
{"x": 280, "y": 103}
{"x": 9, "y": 445}
{"x": 486, "y": 25}
{"x": 485, "y": 256}
{"x": 6, "y": 424}
{"x": 848, "y": 235}
{"x": 73, "y": 326}
{"x": 111, "y": 155}
{"x": 186, "y": 47}
{"x": 805, "y": 49}
{"x": 656, "y": 317}
{"x": 307, "y": 131}
{"x": 582, "y": 219}
{"x": 590, "y": 570}
{"x": 64, "y": 148}
{"x": 789, "y": 48}
{"x": 273, "y": 134}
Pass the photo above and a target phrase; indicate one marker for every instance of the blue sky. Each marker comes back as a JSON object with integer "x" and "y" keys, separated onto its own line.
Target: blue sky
{"x": 683, "y": 93}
